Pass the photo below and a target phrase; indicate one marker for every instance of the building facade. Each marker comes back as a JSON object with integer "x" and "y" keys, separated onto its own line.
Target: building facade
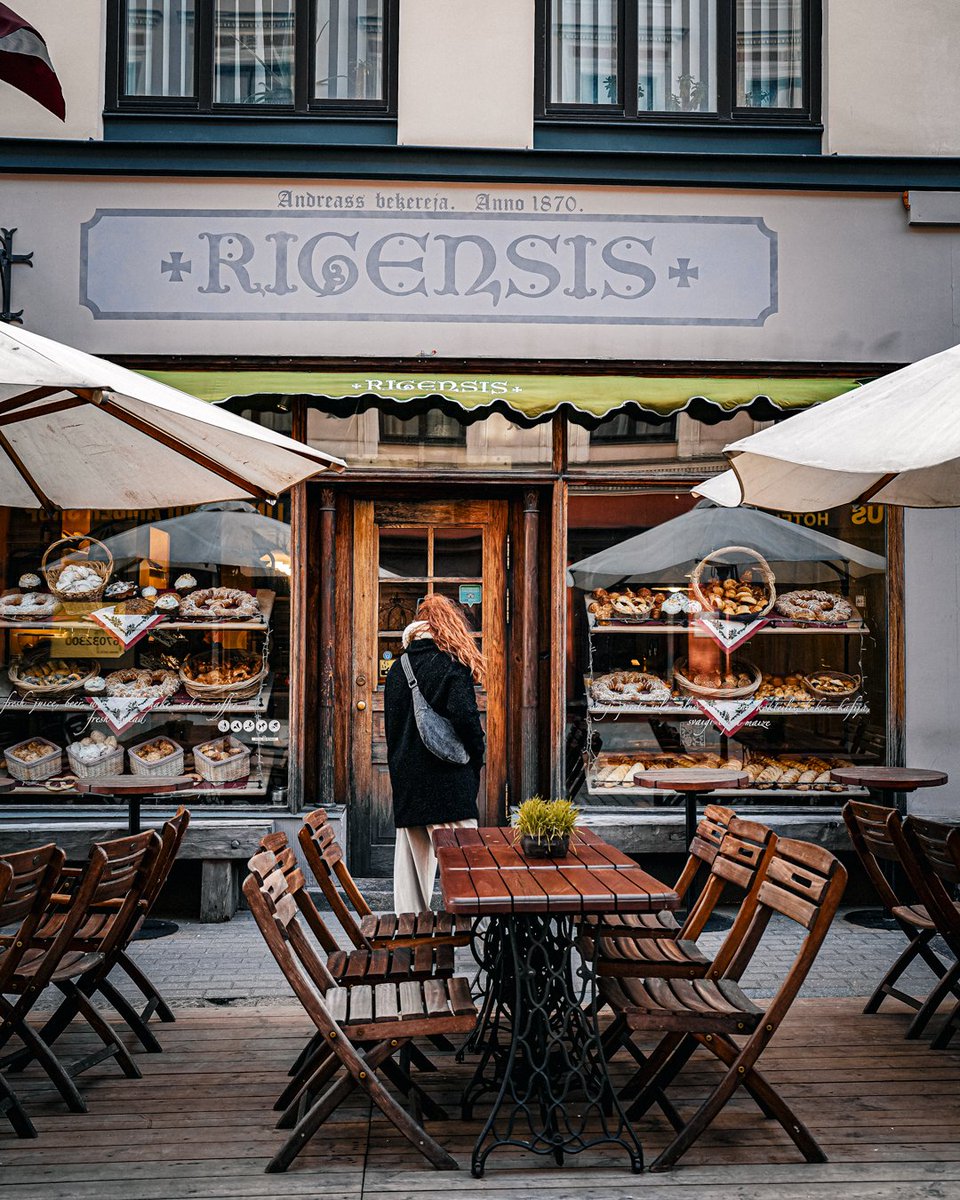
{"x": 527, "y": 265}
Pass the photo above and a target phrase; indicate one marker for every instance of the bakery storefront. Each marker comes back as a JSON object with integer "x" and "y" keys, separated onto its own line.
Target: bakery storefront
{"x": 525, "y": 388}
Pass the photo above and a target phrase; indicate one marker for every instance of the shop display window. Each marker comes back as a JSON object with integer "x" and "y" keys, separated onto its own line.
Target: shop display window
{"x": 140, "y": 643}
{"x": 769, "y": 657}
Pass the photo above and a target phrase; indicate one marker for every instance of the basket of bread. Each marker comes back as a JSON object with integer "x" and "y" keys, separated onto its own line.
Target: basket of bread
{"x": 231, "y": 675}
{"x": 156, "y": 756}
{"x": 826, "y": 684}
{"x": 76, "y": 574}
{"x": 224, "y": 760}
{"x": 51, "y": 680}
{"x": 730, "y": 682}
{"x": 95, "y": 755}
{"x": 741, "y": 596}
{"x": 33, "y": 760}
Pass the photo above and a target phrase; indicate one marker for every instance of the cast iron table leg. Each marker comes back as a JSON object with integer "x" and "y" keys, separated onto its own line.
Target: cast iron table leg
{"x": 553, "y": 1093}
{"x": 133, "y": 814}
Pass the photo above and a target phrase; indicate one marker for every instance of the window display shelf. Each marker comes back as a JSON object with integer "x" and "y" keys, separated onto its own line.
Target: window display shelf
{"x": 254, "y": 788}
{"x": 691, "y": 710}
{"x": 771, "y": 794}
{"x": 265, "y": 598}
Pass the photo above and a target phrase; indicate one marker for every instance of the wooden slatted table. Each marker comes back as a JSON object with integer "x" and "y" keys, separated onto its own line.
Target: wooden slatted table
{"x": 537, "y": 1036}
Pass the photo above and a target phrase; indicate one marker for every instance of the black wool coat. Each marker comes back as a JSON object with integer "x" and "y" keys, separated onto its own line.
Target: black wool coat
{"x": 427, "y": 790}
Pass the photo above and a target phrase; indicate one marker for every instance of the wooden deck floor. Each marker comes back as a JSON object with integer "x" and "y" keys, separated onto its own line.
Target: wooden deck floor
{"x": 199, "y": 1125}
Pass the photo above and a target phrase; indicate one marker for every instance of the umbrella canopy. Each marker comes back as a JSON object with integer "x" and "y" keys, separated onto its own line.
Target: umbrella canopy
{"x": 896, "y": 440}
{"x": 233, "y": 533}
{"x": 678, "y": 545}
{"x": 79, "y": 432}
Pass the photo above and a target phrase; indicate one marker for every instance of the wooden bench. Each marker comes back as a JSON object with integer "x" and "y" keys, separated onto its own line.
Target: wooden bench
{"x": 221, "y": 843}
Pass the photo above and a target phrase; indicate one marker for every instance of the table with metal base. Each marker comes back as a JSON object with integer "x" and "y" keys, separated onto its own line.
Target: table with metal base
{"x": 695, "y": 784}
{"x": 888, "y": 786}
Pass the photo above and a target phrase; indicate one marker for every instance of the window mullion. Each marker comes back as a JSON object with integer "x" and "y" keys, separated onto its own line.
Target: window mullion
{"x": 726, "y": 57}
{"x": 303, "y": 54}
{"x": 203, "y": 49}
{"x": 627, "y": 43}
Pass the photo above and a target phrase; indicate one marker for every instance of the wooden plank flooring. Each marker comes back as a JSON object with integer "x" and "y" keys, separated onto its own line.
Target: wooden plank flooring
{"x": 200, "y": 1125}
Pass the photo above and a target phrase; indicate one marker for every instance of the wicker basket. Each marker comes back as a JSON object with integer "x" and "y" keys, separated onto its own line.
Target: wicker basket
{"x": 769, "y": 579}
{"x": 40, "y": 769}
{"x": 227, "y": 771}
{"x": 106, "y": 764}
{"x": 171, "y": 765}
{"x": 57, "y": 691}
{"x": 854, "y": 681}
{"x": 719, "y": 693}
{"x": 217, "y": 692}
{"x": 52, "y": 573}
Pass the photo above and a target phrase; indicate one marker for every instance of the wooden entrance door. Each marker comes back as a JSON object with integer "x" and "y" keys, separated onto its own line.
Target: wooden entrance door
{"x": 402, "y": 552}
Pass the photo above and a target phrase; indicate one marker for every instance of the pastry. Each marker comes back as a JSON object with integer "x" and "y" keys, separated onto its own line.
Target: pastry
{"x": 148, "y": 593}
{"x": 138, "y": 682}
{"x": 828, "y": 683}
{"x": 168, "y": 604}
{"x": 54, "y": 673}
{"x": 184, "y": 584}
{"x": 137, "y": 607}
{"x": 78, "y": 580}
{"x": 28, "y": 606}
{"x": 95, "y": 686}
{"x": 31, "y": 752}
{"x": 29, "y": 583}
{"x": 155, "y": 751}
{"x": 629, "y": 687}
{"x": 808, "y": 604}
{"x": 94, "y": 747}
{"x": 235, "y": 668}
{"x": 219, "y": 604}
{"x": 221, "y": 750}
{"x": 120, "y": 589}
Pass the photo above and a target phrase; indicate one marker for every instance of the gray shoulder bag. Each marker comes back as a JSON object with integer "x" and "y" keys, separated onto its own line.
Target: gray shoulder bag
{"x": 436, "y": 732}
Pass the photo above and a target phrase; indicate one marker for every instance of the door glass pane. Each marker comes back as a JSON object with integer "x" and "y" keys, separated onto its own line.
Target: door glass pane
{"x": 349, "y": 39}
{"x": 769, "y": 54}
{"x": 458, "y": 553}
{"x": 583, "y": 52}
{"x": 403, "y": 553}
{"x": 253, "y": 52}
{"x": 398, "y": 605}
{"x": 470, "y": 601}
{"x": 676, "y": 56}
{"x": 159, "y": 48}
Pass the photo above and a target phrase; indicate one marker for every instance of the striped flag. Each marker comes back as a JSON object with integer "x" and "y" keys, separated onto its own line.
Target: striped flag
{"x": 25, "y": 63}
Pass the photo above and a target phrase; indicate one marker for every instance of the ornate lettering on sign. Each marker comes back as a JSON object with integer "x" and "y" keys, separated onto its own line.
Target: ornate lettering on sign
{"x": 401, "y": 263}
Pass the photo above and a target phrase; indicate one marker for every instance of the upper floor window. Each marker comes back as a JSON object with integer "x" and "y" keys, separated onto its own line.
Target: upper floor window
{"x": 686, "y": 59}
{"x": 287, "y": 56}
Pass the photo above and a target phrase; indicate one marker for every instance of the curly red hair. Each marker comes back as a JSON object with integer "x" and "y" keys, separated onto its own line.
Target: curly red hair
{"x": 449, "y": 629}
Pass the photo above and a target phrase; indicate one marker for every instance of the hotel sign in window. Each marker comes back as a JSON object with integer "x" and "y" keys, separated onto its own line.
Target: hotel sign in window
{"x": 285, "y": 56}
{"x": 684, "y": 59}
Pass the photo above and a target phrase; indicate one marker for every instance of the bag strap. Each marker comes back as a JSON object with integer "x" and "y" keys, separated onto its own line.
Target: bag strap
{"x": 408, "y": 671}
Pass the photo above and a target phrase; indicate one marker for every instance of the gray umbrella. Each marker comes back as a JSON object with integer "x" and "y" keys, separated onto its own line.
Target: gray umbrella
{"x": 232, "y": 532}
{"x": 676, "y": 546}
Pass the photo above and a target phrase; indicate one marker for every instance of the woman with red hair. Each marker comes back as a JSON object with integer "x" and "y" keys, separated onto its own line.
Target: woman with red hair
{"x": 428, "y": 792}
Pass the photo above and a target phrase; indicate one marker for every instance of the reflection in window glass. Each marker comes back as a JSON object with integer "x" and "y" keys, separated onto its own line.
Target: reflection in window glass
{"x": 676, "y": 53}
{"x": 458, "y": 553}
{"x": 254, "y": 52}
{"x": 159, "y": 48}
{"x": 434, "y": 426}
{"x": 583, "y": 49}
{"x": 625, "y": 429}
{"x": 403, "y": 553}
{"x": 769, "y": 54}
{"x": 349, "y": 39}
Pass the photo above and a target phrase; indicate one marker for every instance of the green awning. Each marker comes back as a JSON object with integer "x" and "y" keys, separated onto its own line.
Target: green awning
{"x": 526, "y": 398}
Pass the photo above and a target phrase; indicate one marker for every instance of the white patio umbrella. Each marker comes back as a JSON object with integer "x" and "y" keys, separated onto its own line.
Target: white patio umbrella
{"x": 79, "y": 432}
{"x": 677, "y": 546}
{"x": 896, "y": 440}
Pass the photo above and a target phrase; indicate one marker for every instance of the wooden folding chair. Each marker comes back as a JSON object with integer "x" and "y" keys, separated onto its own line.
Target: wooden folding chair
{"x": 27, "y": 881}
{"x": 361, "y": 1028}
{"x": 112, "y": 883}
{"x": 932, "y": 868}
{"x": 871, "y": 828}
{"x": 423, "y": 960}
{"x": 701, "y": 853}
{"x": 104, "y": 932}
{"x": 803, "y": 882}
{"x": 373, "y": 930}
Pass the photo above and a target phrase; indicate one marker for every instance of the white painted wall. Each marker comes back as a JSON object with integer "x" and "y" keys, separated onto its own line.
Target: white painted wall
{"x": 466, "y": 73}
{"x": 891, "y": 80}
{"x": 932, "y": 630}
{"x": 75, "y": 33}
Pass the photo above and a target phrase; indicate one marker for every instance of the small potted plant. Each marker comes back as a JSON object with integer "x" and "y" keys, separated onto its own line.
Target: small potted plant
{"x": 544, "y": 827}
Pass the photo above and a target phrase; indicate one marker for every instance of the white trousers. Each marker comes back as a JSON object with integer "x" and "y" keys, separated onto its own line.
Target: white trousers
{"x": 415, "y": 865}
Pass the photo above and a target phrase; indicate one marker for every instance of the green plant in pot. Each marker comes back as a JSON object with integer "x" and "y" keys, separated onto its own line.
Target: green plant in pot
{"x": 544, "y": 828}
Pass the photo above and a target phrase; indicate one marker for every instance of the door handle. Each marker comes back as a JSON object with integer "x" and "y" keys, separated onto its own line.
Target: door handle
{"x": 361, "y": 705}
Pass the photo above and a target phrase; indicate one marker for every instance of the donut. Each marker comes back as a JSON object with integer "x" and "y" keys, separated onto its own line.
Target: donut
{"x": 812, "y": 605}
{"x": 36, "y": 606}
{"x": 219, "y": 604}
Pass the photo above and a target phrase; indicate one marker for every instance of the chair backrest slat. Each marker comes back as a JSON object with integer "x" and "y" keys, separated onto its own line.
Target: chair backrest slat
{"x": 171, "y": 839}
{"x": 294, "y": 881}
{"x": 27, "y": 881}
{"x": 325, "y": 859}
{"x": 743, "y": 849}
{"x": 705, "y": 845}
{"x": 867, "y": 826}
{"x": 932, "y": 869}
